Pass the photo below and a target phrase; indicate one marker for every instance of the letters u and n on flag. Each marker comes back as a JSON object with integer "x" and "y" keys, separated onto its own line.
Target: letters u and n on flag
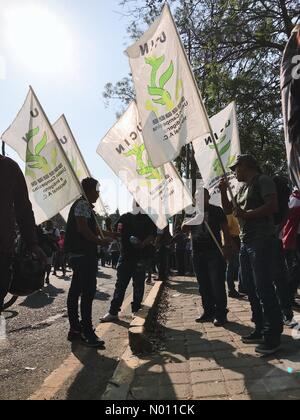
{"x": 51, "y": 181}
{"x": 160, "y": 192}
{"x": 169, "y": 103}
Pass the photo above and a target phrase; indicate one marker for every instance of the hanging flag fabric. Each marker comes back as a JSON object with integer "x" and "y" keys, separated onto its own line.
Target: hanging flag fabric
{"x": 169, "y": 102}
{"x": 71, "y": 148}
{"x": 226, "y": 131}
{"x": 290, "y": 90}
{"x": 51, "y": 182}
{"x": 160, "y": 192}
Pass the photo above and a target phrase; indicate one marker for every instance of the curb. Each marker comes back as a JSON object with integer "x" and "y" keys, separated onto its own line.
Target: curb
{"x": 138, "y": 341}
{"x": 119, "y": 385}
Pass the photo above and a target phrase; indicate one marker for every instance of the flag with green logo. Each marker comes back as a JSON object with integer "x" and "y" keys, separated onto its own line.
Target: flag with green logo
{"x": 169, "y": 102}
{"x": 225, "y": 127}
{"x": 76, "y": 159}
{"x": 160, "y": 192}
{"x": 51, "y": 182}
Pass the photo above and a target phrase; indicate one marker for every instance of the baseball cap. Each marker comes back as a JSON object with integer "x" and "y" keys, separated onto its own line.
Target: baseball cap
{"x": 249, "y": 160}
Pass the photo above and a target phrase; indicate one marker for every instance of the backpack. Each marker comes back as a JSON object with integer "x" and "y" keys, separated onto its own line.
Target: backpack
{"x": 283, "y": 194}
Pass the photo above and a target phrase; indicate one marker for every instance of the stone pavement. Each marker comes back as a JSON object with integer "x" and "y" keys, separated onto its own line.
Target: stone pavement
{"x": 199, "y": 362}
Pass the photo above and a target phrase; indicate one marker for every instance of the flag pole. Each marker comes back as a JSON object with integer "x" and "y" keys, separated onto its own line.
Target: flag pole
{"x": 64, "y": 154}
{"x": 211, "y": 132}
{"x": 80, "y": 154}
{"x": 214, "y": 238}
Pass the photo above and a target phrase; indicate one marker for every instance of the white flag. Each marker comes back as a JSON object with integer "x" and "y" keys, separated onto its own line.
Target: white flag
{"x": 71, "y": 148}
{"x": 160, "y": 192}
{"x": 226, "y": 131}
{"x": 51, "y": 183}
{"x": 169, "y": 102}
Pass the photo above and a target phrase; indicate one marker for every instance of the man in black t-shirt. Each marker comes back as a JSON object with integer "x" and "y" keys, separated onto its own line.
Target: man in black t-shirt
{"x": 137, "y": 234}
{"x": 81, "y": 245}
{"x": 209, "y": 263}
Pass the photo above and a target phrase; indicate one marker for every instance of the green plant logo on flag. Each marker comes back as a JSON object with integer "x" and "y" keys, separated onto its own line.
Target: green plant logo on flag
{"x": 223, "y": 145}
{"x": 157, "y": 89}
{"x": 145, "y": 169}
{"x": 35, "y": 161}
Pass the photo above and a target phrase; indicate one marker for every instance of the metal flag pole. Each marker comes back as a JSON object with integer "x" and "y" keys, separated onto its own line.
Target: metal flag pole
{"x": 211, "y": 132}
{"x": 66, "y": 158}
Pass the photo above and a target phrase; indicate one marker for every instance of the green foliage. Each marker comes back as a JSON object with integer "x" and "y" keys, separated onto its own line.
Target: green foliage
{"x": 235, "y": 49}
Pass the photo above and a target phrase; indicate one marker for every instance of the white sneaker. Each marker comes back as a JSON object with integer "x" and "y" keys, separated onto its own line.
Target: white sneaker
{"x": 109, "y": 318}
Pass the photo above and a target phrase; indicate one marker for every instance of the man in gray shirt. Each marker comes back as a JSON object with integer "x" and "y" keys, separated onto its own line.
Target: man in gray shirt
{"x": 256, "y": 204}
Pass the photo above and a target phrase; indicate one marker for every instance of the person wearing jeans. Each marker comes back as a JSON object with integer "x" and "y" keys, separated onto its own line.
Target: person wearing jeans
{"x": 209, "y": 263}
{"x": 255, "y": 207}
{"x": 209, "y": 268}
{"x": 81, "y": 244}
{"x": 84, "y": 285}
{"x": 257, "y": 260}
{"x": 128, "y": 270}
{"x": 137, "y": 234}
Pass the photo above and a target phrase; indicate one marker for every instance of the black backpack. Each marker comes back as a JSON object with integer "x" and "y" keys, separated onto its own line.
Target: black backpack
{"x": 284, "y": 193}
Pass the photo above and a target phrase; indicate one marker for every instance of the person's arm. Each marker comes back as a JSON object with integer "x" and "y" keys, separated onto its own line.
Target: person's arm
{"x": 226, "y": 204}
{"x": 152, "y": 230}
{"x": 268, "y": 209}
{"x": 111, "y": 235}
{"x": 83, "y": 228}
{"x": 148, "y": 241}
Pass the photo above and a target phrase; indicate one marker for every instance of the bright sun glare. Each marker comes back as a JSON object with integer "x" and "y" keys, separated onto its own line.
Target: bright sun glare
{"x": 39, "y": 40}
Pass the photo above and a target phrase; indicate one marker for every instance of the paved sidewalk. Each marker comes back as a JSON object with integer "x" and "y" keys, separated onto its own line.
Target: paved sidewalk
{"x": 201, "y": 362}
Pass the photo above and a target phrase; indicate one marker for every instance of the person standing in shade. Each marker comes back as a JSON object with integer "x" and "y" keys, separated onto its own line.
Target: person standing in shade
{"x": 81, "y": 244}
{"x": 138, "y": 232}
{"x": 257, "y": 202}
{"x": 209, "y": 263}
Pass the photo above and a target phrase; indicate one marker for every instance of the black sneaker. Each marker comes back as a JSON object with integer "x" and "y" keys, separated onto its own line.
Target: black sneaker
{"x": 74, "y": 336}
{"x": 235, "y": 295}
{"x": 254, "y": 338}
{"x": 220, "y": 322}
{"x": 269, "y": 348}
{"x": 92, "y": 340}
{"x": 205, "y": 318}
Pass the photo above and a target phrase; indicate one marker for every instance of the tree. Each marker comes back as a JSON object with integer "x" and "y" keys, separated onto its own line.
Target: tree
{"x": 235, "y": 49}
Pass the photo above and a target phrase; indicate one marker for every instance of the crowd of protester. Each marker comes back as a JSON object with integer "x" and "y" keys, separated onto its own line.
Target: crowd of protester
{"x": 252, "y": 244}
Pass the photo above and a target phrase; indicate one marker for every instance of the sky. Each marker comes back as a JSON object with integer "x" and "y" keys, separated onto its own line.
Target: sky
{"x": 67, "y": 50}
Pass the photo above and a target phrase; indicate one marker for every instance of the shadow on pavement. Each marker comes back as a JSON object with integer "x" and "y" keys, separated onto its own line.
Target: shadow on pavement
{"x": 221, "y": 362}
{"x": 90, "y": 383}
{"x": 42, "y": 298}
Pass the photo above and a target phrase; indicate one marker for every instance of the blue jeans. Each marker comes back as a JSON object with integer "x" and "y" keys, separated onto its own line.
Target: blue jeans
{"x": 257, "y": 260}
{"x": 129, "y": 269}
{"x": 84, "y": 285}
{"x": 282, "y": 281}
{"x": 233, "y": 272}
{"x": 210, "y": 269}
